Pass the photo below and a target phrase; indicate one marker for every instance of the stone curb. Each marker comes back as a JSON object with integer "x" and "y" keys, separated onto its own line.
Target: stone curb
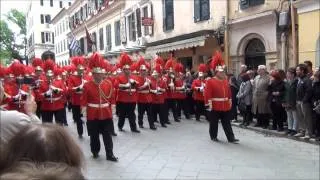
{"x": 274, "y": 133}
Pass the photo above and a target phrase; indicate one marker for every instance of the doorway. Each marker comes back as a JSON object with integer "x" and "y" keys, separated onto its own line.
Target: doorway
{"x": 186, "y": 61}
{"x": 255, "y": 54}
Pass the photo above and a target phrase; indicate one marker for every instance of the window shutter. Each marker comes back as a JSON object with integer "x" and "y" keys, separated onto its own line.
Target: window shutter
{"x": 51, "y": 3}
{"x": 205, "y": 9}
{"x": 60, "y": 3}
{"x": 52, "y": 38}
{"x": 164, "y": 15}
{"x": 42, "y": 37}
{"x": 41, "y": 18}
{"x": 138, "y": 15}
{"x": 196, "y": 10}
{"x": 151, "y": 15}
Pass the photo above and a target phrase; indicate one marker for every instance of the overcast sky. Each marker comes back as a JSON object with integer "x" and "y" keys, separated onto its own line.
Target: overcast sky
{"x": 6, "y": 5}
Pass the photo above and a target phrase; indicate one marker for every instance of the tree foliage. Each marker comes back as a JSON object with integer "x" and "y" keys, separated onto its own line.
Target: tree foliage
{"x": 9, "y": 47}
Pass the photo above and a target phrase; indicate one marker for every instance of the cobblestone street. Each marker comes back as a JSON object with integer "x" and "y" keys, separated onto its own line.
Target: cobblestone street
{"x": 185, "y": 151}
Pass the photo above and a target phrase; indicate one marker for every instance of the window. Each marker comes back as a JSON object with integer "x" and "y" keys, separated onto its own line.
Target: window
{"x": 81, "y": 14}
{"x": 51, "y": 3}
{"x": 145, "y": 14}
{"x": 94, "y": 39}
{"x": 85, "y": 11}
{"x": 168, "y": 15}
{"x": 132, "y": 27}
{"x": 82, "y": 44}
{"x": 108, "y": 37}
{"x": 42, "y": 37}
{"x": 248, "y": 3}
{"x": 201, "y": 10}
{"x": 117, "y": 33}
{"x": 63, "y": 27}
{"x": 52, "y": 38}
{"x": 47, "y": 37}
{"x": 101, "y": 39}
{"x": 138, "y": 14}
{"x": 60, "y": 3}
{"x": 41, "y": 2}
{"x": 41, "y": 18}
{"x": 48, "y": 19}
{"x": 69, "y": 3}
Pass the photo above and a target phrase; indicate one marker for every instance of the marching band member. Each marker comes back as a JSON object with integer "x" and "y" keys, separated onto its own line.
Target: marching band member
{"x": 76, "y": 84}
{"x": 180, "y": 91}
{"x": 16, "y": 91}
{"x": 144, "y": 95}
{"x": 170, "y": 79}
{"x": 158, "y": 88}
{"x": 96, "y": 103}
{"x": 217, "y": 97}
{"x": 3, "y": 70}
{"x": 52, "y": 92}
{"x": 198, "y": 86}
{"x": 39, "y": 78}
{"x": 127, "y": 95}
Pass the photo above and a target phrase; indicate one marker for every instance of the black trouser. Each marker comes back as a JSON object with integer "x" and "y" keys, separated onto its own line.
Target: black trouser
{"x": 182, "y": 105}
{"x": 159, "y": 109}
{"x": 224, "y": 116}
{"x": 278, "y": 115}
{"x": 247, "y": 115}
{"x": 117, "y": 109}
{"x": 190, "y": 104}
{"x": 38, "y": 111}
{"x": 76, "y": 114}
{"x": 142, "y": 108}
{"x": 127, "y": 110}
{"x": 166, "y": 111}
{"x": 172, "y": 105}
{"x": 199, "y": 109}
{"x": 47, "y": 116}
{"x": 96, "y": 127}
{"x": 262, "y": 119}
{"x": 64, "y": 121}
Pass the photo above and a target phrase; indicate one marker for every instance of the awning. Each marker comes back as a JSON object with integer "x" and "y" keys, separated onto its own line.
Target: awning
{"x": 183, "y": 44}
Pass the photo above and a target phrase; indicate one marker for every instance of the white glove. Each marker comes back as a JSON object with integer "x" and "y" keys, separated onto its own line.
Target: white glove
{"x": 131, "y": 81}
{"x": 158, "y": 89}
{"x": 201, "y": 89}
{"x": 127, "y": 85}
{"x": 49, "y": 92}
{"x": 22, "y": 92}
{"x": 146, "y": 83}
{"x": 16, "y": 96}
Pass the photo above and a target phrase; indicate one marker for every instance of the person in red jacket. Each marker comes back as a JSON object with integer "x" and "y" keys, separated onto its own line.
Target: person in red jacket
{"x": 127, "y": 95}
{"x": 52, "y": 92}
{"x": 198, "y": 86}
{"x": 96, "y": 104}
{"x": 158, "y": 88}
{"x": 144, "y": 95}
{"x": 38, "y": 78}
{"x": 217, "y": 97}
{"x": 76, "y": 84}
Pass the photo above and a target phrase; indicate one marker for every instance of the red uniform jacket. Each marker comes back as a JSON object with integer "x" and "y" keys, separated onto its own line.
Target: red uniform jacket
{"x": 196, "y": 84}
{"x": 12, "y": 89}
{"x": 170, "y": 92}
{"x": 98, "y": 102}
{"x": 36, "y": 89}
{"x": 165, "y": 80}
{"x": 178, "y": 94}
{"x": 159, "y": 97}
{"x": 57, "y": 100}
{"x": 75, "y": 93}
{"x": 144, "y": 95}
{"x": 126, "y": 95}
{"x": 218, "y": 94}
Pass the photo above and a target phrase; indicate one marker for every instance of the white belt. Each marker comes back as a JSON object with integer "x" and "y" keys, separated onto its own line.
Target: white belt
{"x": 220, "y": 99}
{"x": 98, "y": 105}
{"x": 128, "y": 90}
{"x": 3, "y": 105}
{"x": 144, "y": 91}
{"x": 53, "y": 99}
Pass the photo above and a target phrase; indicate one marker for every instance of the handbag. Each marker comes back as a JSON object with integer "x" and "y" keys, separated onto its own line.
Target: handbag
{"x": 242, "y": 105}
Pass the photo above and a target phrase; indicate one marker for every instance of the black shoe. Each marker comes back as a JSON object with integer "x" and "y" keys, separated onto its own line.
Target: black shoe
{"x": 187, "y": 117}
{"x": 140, "y": 126}
{"x": 163, "y": 125}
{"x": 80, "y": 136}
{"x": 235, "y": 141}
{"x": 168, "y": 122}
{"x": 122, "y": 130}
{"x": 112, "y": 158}
{"x": 215, "y": 139}
{"x": 65, "y": 124}
{"x": 114, "y": 134}
{"x": 135, "y": 131}
{"x": 153, "y": 128}
{"x": 95, "y": 155}
{"x": 198, "y": 119}
{"x": 177, "y": 120}
{"x": 156, "y": 121}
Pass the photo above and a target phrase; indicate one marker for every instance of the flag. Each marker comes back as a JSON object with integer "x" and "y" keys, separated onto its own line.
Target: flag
{"x": 74, "y": 45}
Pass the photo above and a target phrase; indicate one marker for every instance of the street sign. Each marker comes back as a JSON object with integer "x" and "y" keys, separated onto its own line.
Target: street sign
{"x": 147, "y": 21}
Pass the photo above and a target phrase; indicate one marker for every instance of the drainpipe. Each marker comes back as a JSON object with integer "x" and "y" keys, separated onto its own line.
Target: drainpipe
{"x": 283, "y": 50}
{"x": 226, "y": 37}
{"x": 294, "y": 36}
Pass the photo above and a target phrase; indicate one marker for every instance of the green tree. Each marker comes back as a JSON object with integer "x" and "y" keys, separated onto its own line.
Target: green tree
{"x": 10, "y": 48}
